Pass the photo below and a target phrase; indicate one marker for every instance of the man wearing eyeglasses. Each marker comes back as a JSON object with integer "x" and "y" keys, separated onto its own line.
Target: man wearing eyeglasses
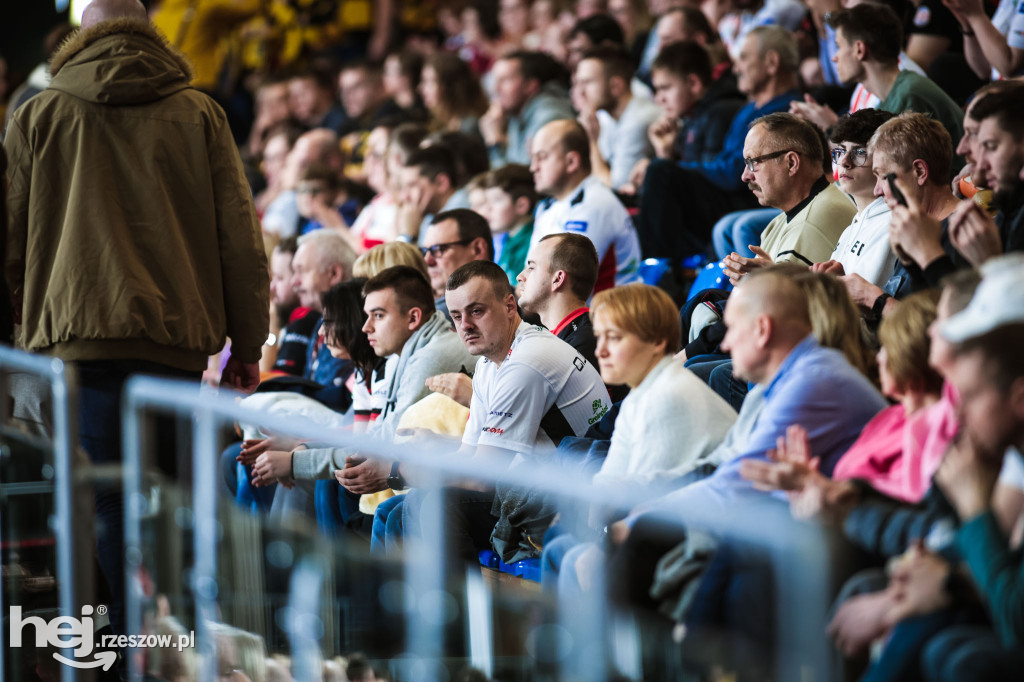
{"x": 784, "y": 166}
{"x": 454, "y": 238}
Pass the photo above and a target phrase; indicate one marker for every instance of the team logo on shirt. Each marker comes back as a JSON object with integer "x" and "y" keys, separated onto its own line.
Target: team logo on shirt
{"x": 491, "y": 429}
{"x": 922, "y": 17}
{"x": 579, "y": 363}
{"x": 495, "y": 413}
{"x": 576, "y": 226}
{"x": 600, "y": 410}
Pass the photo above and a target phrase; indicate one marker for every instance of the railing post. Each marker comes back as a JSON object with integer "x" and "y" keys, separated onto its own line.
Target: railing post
{"x": 205, "y": 589}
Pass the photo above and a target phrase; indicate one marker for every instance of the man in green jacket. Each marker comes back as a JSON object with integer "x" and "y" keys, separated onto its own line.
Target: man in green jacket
{"x": 133, "y": 244}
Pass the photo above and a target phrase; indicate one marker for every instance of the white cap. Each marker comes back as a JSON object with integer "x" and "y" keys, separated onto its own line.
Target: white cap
{"x": 998, "y": 301}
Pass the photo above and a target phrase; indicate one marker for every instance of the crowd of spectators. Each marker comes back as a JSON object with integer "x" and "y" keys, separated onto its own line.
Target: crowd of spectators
{"x": 460, "y": 206}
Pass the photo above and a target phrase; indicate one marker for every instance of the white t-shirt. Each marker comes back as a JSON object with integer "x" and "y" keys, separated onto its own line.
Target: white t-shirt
{"x": 1009, "y": 20}
{"x": 593, "y": 210}
{"x": 623, "y": 142}
{"x": 542, "y": 392}
{"x": 1012, "y": 473}
{"x": 863, "y": 247}
{"x": 667, "y": 425}
{"x": 375, "y": 224}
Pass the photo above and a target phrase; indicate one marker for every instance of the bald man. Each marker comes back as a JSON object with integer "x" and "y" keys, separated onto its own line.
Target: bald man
{"x": 133, "y": 243}
{"x": 579, "y": 202}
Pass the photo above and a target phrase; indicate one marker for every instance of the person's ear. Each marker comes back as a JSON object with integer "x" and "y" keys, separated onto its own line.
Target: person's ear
{"x": 793, "y": 163}
{"x": 618, "y": 86}
{"x": 771, "y": 61}
{"x": 511, "y": 306}
{"x": 558, "y": 280}
{"x": 414, "y": 316}
{"x": 572, "y": 162}
{"x": 335, "y": 273}
{"x": 442, "y": 182}
{"x": 1016, "y": 399}
{"x": 860, "y": 50}
{"x": 921, "y": 171}
{"x": 694, "y": 84}
{"x": 763, "y": 328}
{"x": 479, "y": 248}
{"x": 522, "y": 206}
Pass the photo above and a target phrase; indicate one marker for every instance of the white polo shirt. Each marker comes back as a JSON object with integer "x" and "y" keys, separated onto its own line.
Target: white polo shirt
{"x": 593, "y": 210}
{"x": 864, "y": 249}
{"x": 542, "y": 392}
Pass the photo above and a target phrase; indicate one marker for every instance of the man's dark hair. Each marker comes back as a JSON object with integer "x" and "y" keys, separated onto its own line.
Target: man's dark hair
{"x": 1004, "y": 363}
{"x": 1006, "y": 108}
{"x": 684, "y": 58}
{"x": 696, "y": 22}
{"x": 371, "y": 68}
{"x": 575, "y": 139}
{"x": 538, "y": 66}
{"x": 471, "y": 226}
{"x": 343, "y": 320}
{"x": 287, "y": 245}
{"x": 321, "y": 74}
{"x": 358, "y": 667}
{"x": 411, "y": 288}
{"x": 601, "y": 29}
{"x": 615, "y": 60}
{"x": 468, "y": 151}
{"x": 407, "y": 137}
{"x": 577, "y": 256}
{"x": 410, "y": 62}
{"x": 859, "y": 126}
{"x": 514, "y": 180}
{"x": 434, "y": 161}
{"x": 877, "y": 26}
{"x": 491, "y": 272}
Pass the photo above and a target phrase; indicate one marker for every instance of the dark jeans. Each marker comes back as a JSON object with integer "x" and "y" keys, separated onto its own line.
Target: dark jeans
{"x": 101, "y": 383}
{"x": 970, "y": 652}
{"x": 467, "y": 519}
{"x": 337, "y": 510}
{"x": 678, "y": 209}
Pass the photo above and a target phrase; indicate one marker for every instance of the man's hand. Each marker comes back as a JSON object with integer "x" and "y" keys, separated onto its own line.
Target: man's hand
{"x": 820, "y": 115}
{"x": 364, "y": 476}
{"x": 861, "y": 620}
{"x": 736, "y": 266}
{"x": 241, "y": 376}
{"x": 273, "y": 466}
{"x": 913, "y": 233}
{"x": 588, "y": 119}
{"x": 863, "y": 292}
{"x": 662, "y": 134}
{"x": 965, "y": 8}
{"x": 829, "y": 267}
{"x": 455, "y": 385}
{"x": 918, "y": 583}
{"x": 968, "y": 476}
{"x": 964, "y": 172}
{"x": 254, "y": 447}
{"x": 636, "y": 177}
{"x": 493, "y": 125}
{"x": 974, "y": 234}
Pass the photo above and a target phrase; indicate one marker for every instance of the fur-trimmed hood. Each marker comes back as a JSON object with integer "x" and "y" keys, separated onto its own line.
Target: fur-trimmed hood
{"x": 122, "y": 61}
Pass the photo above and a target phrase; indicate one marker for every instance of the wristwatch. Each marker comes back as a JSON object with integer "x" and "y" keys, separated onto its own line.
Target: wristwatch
{"x": 879, "y": 305}
{"x": 395, "y": 480}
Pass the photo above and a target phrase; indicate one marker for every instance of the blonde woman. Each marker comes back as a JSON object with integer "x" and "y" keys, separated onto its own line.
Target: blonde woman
{"x": 390, "y": 254}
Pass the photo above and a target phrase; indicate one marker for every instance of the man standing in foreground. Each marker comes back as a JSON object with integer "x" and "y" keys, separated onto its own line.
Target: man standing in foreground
{"x": 133, "y": 244}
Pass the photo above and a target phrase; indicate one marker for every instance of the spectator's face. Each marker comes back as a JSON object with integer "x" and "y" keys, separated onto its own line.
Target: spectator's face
{"x": 535, "y": 279}
{"x": 622, "y": 356}
{"x": 478, "y": 202}
{"x": 967, "y": 145}
{"x": 888, "y": 385}
{"x": 848, "y": 66}
{"x": 484, "y": 322}
{"x": 588, "y": 8}
{"x": 308, "y": 193}
{"x": 853, "y": 179}
{"x": 387, "y": 326}
{"x": 999, "y": 157}
{"x": 272, "y": 103}
{"x": 375, "y": 160}
{"x": 509, "y": 86}
{"x": 742, "y": 339}
{"x": 770, "y": 178}
{"x": 673, "y": 94}
{"x": 448, "y": 258}
{"x": 881, "y": 165}
{"x": 360, "y": 92}
{"x": 670, "y": 29}
{"x": 513, "y": 17}
{"x": 419, "y": 190}
{"x": 751, "y": 73}
{"x": 548, "y": 163}
{"x": 282, "y": 294}
{"x": 310, "y": 278}
{"x": 985, "y": 412}
{"x": 395, "y": 81}
{"x": 305, "y": 100}
{"x": 593, "y": 89}
{"x": 503, "y": 212}
{"x": 275, "y": 153}
{"x": 622, "y": 12}
{"x": 576, "y": 47}
{"x": 430, "y": 90}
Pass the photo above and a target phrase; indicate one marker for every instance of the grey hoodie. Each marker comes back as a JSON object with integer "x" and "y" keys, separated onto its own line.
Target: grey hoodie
{"x": 433, "y": 349}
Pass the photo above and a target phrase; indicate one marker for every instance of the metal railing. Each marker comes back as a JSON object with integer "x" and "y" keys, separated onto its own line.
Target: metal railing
{"x": 798, "y": 551}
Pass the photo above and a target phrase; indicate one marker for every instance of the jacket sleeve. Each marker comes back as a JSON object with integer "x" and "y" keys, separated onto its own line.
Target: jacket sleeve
{"x": 19, "y": 171}
{"x": 998, "y": 573}
{"x": 886, "y": 527}
{"x": 725, "y": 169}
{"x": 243, "y": 260}
{"x": 317, "y": 463}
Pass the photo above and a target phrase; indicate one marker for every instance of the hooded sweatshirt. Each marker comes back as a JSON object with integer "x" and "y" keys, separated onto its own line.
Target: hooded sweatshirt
{"x": 133, "y": 233}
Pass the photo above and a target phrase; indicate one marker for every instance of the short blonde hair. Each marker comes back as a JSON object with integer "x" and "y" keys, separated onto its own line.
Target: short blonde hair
{"x": 912, "y": 136}
{"x": 835, "y": 321}
{"x": 643, "y": 310}
{"x": 904, "y": 335}
{"x": 388, "y": 255}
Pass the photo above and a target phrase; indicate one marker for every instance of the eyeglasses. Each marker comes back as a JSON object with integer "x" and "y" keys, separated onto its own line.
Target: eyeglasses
{"x": 750, "y": 163}
{"x": 437, "y": 250}
{"x": 858, "y": 155}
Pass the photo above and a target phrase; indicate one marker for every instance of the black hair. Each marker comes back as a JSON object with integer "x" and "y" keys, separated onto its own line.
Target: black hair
{"x": 343, "y": 320}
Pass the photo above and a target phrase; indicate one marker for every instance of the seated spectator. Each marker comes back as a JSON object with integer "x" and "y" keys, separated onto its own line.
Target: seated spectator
{"x": 784, "y": 169}
{"x": 365, "y": 102}
{"x": 510, "y": 203}
{"x": 526, "y": 99}
{"x": 317, "y": 147}
{"x": 476, "y": 193}
{"x": 311, "y": 99}
{"x": 384, "y": 256}
{"x": 596, "y": 30}
{"x": 615, "y": 120}
{"x": 453, "y": 239}
{"x": 680, "y": 202}
{"x": 868, "y": 42}
{"x": 746, "y": 15}
{"x": 279, "y": 142}
{"x": 994, "y": 47}
{"x": 324, "y": 202}
{"x": 452, "y": 94}
{"x": 375, "y": 224}
{"x": 864, "y": 246}
{"x": 635, "y": 21}
{"x": 401, "y": 80}
{"x": 270, "y": 111}
{"x": 428, "y": 181}
{"x": 916, "y": 149}
{"x": 470, "y": 156}
{"x": 685, "y": 23}
{"x": 579, "y": 202}
{"x": 285, "y": 351}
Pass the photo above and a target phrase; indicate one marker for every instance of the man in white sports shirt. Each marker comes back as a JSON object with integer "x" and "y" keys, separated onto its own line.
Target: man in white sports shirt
{"x": 579, "y": 202}
{"x": 530, "y": 390}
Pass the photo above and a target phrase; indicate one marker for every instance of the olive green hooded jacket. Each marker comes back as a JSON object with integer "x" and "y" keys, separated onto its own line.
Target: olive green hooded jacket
{"x": 132, "y": 232}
